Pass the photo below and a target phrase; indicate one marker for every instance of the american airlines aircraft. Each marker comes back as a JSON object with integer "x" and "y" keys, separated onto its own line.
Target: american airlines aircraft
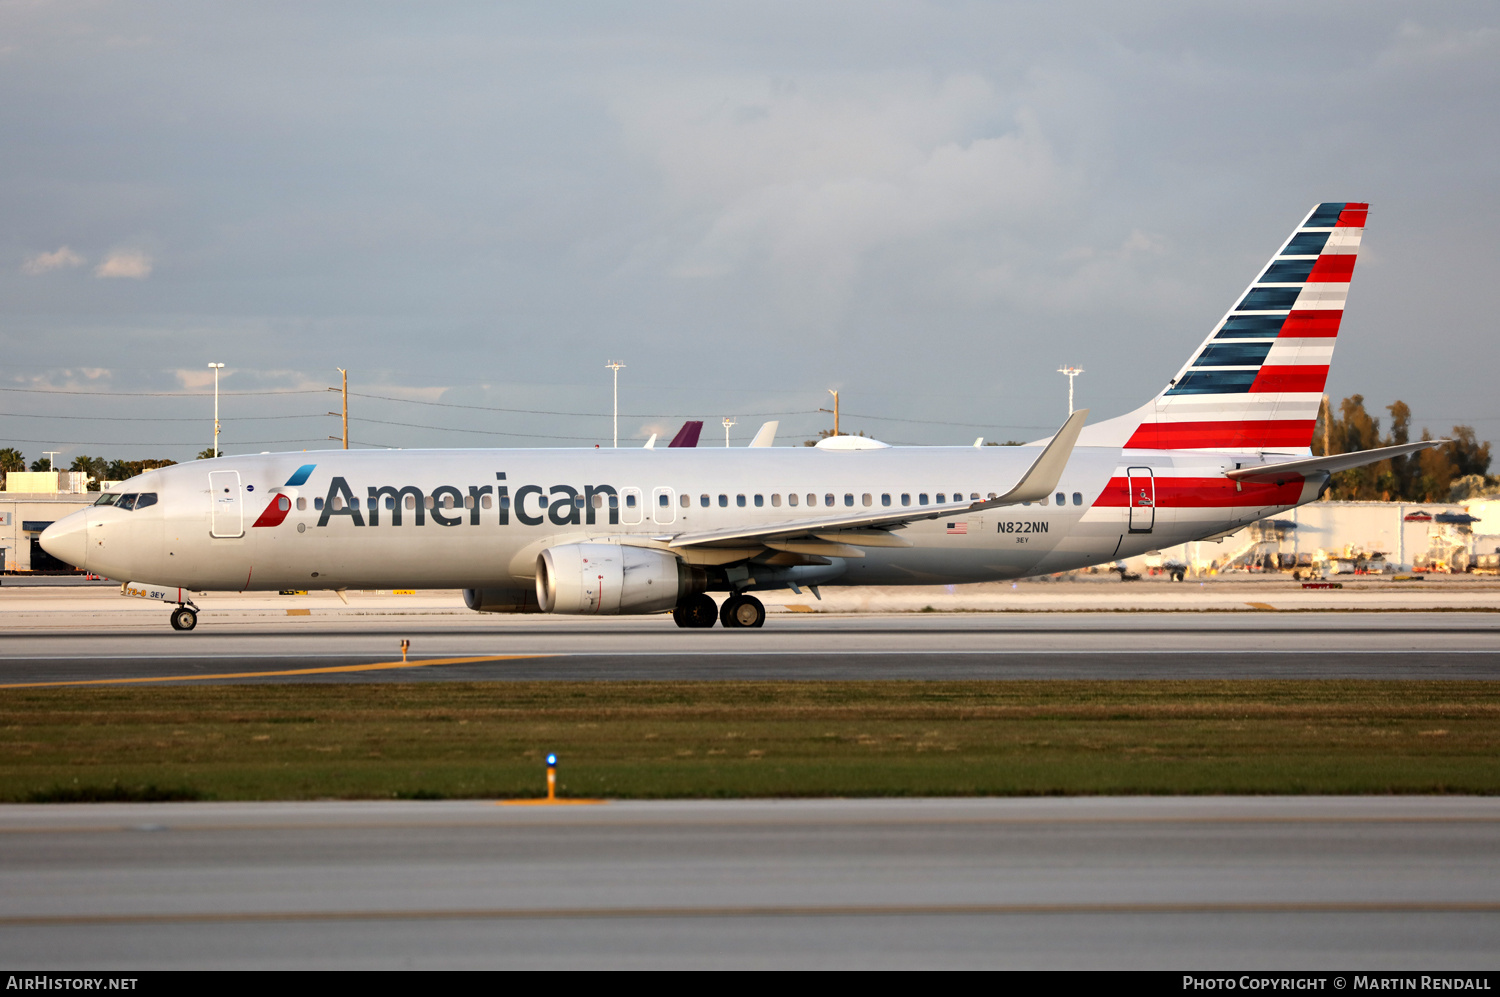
{"x": 603, "y": 532}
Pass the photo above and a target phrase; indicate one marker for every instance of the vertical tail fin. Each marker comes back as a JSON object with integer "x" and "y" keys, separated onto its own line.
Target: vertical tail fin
{"x": 1257, "y": 381}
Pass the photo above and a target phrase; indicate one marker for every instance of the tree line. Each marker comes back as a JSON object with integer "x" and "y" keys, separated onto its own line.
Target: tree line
{"x": 1449, "y": 473}
{"x": 96, "y": 468}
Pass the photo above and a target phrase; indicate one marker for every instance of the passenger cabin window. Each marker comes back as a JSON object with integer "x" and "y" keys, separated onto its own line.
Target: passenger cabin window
{"x": 1078, "y": 498}
{"x": 390, "y": 502}
{"x": 922, "y": 498}
{"x": 723, "y": 501}
{"x": 1061, "y": 498}
{"x": 867, "y": 499}
{"x": 941, "y": 497}
{"x": 760, "y": 500}
{"x": 614, "y": 502}
{"x": 685, "y": 501}
{"x": 974, "y": 496}
{"x": 1043, "y": 500}
{"x": 469, "y": 501}
{"x": 302, "y": 505}
{"x": 828, "y": 500}
{"x": 410, "y": 501}
{"x": 885, "y": 499}
{"x": 318, "y": 504}
{"x": 663, "y": 501}
{"x": 629, "y": 501}
{"x": 848, "y": 498}
{"x": 776, "y": 500}
{"x": 906, "y": 498}
{"x": 703, "y": 501}
{"x": 739, "y": 500}
{"x": 488, "y": 502}
{"x": 791, "y": 499}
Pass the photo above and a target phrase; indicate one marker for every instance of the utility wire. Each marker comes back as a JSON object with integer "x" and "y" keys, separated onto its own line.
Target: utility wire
{"x": 148, "y": 418}
{"x": 162, "y": 394}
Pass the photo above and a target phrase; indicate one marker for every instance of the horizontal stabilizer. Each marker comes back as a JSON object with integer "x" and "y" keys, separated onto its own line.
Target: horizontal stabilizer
{"x": 1326, "y": 465}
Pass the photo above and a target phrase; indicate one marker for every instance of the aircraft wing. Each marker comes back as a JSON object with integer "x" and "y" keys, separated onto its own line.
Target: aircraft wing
{"x": 866, "y": 529}
{"x": 1334, "y": 462}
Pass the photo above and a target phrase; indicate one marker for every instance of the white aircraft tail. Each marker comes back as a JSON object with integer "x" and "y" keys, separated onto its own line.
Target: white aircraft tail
{"x": 1256, "y": 383}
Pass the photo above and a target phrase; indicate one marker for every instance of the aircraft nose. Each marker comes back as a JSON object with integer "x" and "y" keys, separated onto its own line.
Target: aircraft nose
{"x": 68, "y": 539}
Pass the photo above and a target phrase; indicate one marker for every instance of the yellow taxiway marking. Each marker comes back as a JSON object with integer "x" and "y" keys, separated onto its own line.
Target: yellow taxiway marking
{"x": 328, "y": 670}
{"x": 772, "y": 910}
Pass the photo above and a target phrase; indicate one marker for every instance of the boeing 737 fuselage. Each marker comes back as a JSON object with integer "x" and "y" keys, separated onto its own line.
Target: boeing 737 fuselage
{"x": 646, "y": 530}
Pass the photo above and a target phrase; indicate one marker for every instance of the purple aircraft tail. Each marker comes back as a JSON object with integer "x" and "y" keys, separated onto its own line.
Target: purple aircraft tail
{"x": 687, "y": 436}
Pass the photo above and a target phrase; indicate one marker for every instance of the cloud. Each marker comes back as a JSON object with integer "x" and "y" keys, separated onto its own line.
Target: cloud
{"x": 125, "y": 263}
{"x": 39, "y": 263}
{"x": 806, "y": 183}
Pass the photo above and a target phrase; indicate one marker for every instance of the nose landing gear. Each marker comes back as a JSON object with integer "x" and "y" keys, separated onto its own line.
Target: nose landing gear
{"x": 184, "y": 618}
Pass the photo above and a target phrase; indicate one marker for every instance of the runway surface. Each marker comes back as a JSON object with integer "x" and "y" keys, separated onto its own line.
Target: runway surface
{"x": 866, "y": 646}
{"x": 1246, "y": 883}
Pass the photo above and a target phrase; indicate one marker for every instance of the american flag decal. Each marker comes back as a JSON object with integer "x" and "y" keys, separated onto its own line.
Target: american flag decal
{"x": 959, "y": 528}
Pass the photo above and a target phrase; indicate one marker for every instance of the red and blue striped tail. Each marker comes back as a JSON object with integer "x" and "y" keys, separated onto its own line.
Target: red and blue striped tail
{"x": 1257, "y": 382}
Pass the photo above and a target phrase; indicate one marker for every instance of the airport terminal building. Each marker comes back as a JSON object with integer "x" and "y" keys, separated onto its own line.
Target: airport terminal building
{"x": 32, "y": 501}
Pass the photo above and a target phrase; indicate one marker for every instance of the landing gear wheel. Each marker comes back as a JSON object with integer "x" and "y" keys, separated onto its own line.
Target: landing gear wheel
{"x": 696, "y": 612}
{"x": 184, "y": 618}
{"x": 741, "y": 611}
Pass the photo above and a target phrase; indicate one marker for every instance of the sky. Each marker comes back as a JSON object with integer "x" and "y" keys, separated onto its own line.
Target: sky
{"x": 930, "y": 207}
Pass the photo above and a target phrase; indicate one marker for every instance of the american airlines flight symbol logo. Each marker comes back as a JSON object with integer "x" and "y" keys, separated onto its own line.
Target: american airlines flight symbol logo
{"x": 282, "y": 504}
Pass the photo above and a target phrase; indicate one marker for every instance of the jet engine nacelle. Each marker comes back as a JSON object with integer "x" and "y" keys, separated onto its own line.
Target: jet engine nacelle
{"x": 607, "y": 579}
{"x": 521, "y": 600}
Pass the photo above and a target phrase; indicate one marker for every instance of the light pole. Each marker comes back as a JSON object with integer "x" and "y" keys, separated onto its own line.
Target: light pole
{"x": 217, "y": 367}
{"x": 727, "y": 423}
{"x": 615, "y": 366}
{"x": 1071, "y": 372}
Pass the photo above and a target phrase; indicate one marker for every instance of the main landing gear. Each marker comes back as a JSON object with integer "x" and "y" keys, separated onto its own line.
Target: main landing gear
{"x": 698, "y": 612}
{"x": 184, "y": 618}
{"x": 742, "y": 611}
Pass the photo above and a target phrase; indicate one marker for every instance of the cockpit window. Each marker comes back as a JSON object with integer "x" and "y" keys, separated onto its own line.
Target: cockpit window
{"x": 130, "y": 500}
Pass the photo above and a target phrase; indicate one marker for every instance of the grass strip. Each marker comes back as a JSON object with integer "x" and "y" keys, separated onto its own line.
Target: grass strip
{"x": 748, "y": 739}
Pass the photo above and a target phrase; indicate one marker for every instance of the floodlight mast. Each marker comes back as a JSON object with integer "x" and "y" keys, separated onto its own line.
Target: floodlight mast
{"x": 615, "y": 366}
{"x": 216, "y": 367}
{"x": 728, "y": 421}
{"x": 1071, "y": 373}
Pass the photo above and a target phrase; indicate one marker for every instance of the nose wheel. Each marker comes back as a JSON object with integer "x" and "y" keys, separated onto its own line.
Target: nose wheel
{"x": 184, "y": 618}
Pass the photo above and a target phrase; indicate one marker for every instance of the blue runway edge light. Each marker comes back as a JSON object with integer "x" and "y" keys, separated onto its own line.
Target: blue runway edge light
{"x": 551, "y": 761}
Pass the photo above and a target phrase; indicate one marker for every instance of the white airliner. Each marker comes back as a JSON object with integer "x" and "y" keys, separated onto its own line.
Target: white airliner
{"x": 602, "y": 532}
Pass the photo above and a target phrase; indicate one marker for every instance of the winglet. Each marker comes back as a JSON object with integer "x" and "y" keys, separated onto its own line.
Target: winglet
{"x": 651, "y": 443}
{"x": 1041, "y": 478}
{"x": 767, "y": 435}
